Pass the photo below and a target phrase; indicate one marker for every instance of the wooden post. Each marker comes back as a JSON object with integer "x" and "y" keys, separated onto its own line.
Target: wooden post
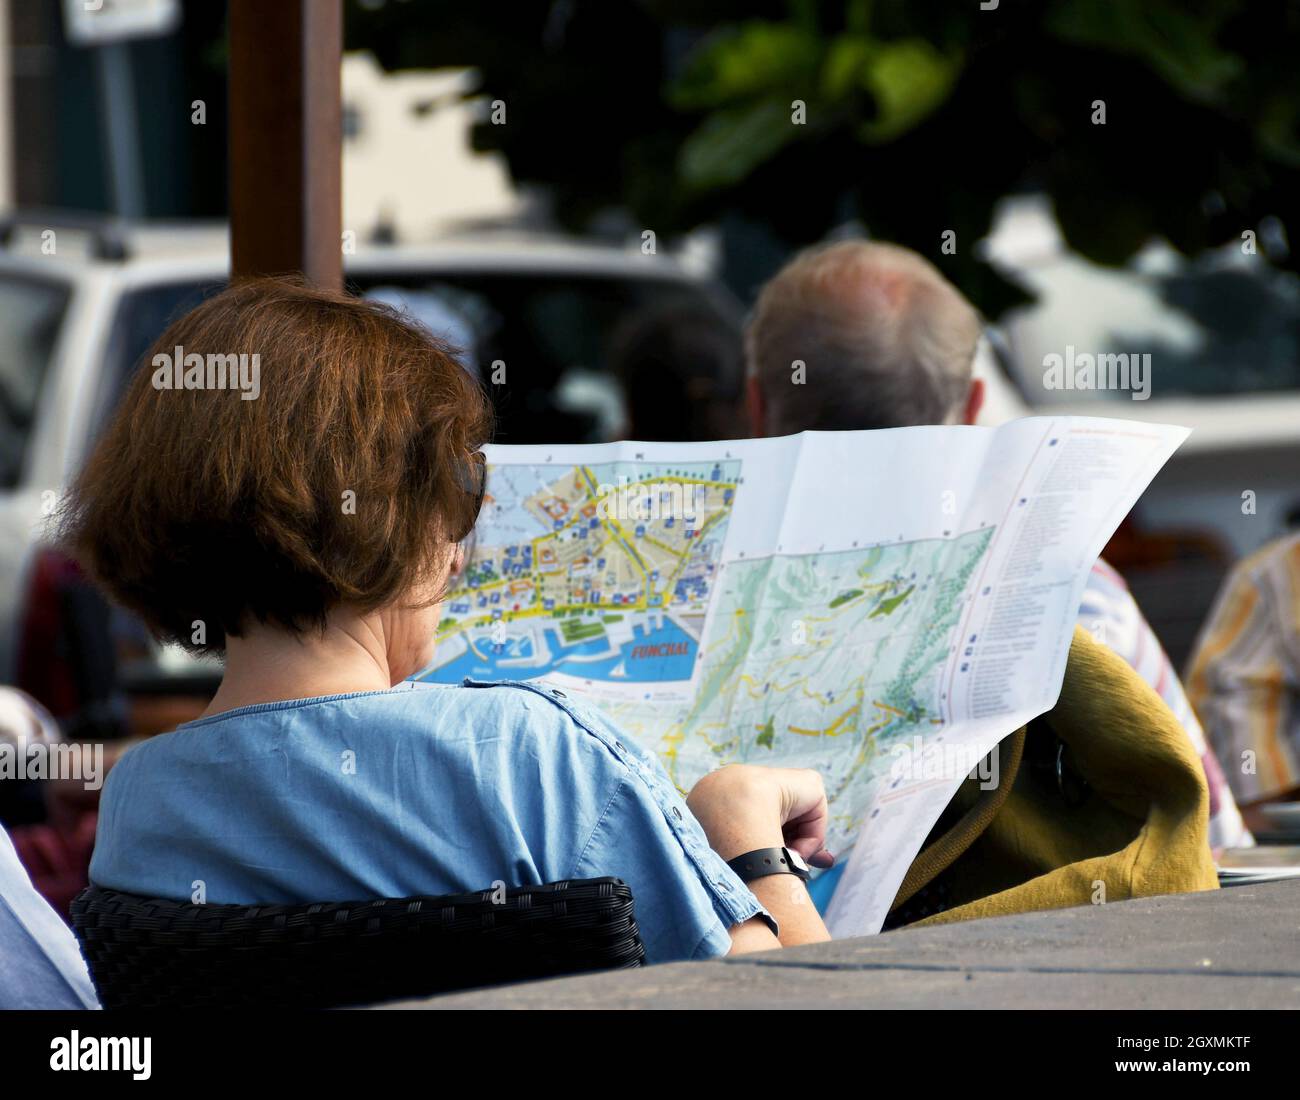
{"x": 286, "y": 208}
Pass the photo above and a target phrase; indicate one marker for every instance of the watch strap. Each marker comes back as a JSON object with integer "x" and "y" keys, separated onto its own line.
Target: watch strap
{"x": 768, "y": 861}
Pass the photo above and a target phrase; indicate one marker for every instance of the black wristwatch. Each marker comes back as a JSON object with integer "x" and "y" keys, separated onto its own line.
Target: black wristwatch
{"x": 769, "y": 861}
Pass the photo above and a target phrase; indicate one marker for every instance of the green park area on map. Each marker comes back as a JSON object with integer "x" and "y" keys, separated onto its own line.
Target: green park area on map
{"x": 820, "y": 660}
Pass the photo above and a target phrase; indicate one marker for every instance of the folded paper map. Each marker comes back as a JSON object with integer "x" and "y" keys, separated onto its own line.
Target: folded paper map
{"x": 881, "y": 606}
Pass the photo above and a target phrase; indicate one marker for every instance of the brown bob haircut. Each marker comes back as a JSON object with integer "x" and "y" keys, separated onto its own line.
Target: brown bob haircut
{"x": 345, "y": 481}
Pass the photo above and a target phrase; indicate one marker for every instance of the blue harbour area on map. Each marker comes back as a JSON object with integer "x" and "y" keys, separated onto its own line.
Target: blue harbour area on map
{"x": 601, "y": 573}
{"x": 664, "y": 652}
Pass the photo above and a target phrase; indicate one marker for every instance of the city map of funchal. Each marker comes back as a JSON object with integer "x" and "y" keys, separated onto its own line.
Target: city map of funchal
{"x": 612, "y": 576}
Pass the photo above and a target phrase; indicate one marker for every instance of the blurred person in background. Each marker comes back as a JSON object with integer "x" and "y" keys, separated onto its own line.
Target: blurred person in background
{"x": 681, "y": 365}
{"x": 888, "y": 342}
{"x": 40, "y": 963}
{"x": 68, "y": 655}
{"x": 1245, "y": 679}
{"x": 24, "y": 722}
{"x": 309, "y": 535}
{"x": 43, "y": 967}
{"x": 50, "y": 818}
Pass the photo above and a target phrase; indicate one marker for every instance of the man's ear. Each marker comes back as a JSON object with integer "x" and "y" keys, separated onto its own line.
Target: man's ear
{"x": 755, "y": 408}
{"x": 974, "y": 401}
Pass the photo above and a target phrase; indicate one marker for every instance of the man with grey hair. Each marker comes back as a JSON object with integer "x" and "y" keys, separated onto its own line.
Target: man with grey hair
{"x": 860, "y": 334}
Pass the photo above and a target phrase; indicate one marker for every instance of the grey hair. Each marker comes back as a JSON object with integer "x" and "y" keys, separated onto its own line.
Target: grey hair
{"x": 885, "y": 341}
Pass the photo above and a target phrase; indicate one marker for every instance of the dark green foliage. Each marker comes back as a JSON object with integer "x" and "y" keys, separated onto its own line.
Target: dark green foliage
{"x": 920, "y": 116}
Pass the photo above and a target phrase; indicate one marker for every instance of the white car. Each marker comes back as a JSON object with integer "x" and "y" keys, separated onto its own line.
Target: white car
{"x": 75, "y": 322}
{"x": 1222, "y": 334}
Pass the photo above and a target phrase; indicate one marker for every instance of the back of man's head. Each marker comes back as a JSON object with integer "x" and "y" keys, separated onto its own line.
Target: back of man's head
{"x": 859, "y": 334}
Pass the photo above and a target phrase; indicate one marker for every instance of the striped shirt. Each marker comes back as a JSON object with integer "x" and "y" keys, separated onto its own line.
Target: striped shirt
{"x": 1245, "y": 673}
{"x": 1111, "y": 615}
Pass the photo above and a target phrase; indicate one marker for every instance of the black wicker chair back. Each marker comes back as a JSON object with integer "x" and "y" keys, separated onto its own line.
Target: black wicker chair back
{"x": 150, "y": 953}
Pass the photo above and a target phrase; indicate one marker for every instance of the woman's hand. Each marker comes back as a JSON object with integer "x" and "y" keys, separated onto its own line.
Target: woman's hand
{"x": 743, "y": 807}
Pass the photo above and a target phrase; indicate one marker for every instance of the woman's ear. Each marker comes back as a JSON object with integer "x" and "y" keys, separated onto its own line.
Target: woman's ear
{"x": 974, "y": 401}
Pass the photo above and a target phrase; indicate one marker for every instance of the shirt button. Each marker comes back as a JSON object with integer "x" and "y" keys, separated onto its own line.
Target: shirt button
{"x": 677, "y": 813}
{"x": 619, "y": 745}
{"x": 557, "y": 693}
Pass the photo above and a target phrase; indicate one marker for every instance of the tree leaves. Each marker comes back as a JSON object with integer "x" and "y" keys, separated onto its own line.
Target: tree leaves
{"x": 755, "y": 59}
{"x": 733, "y": 142}
{"x": 917, "y": 118}
{"x": 908, "y": 79}
{"x": 748, "y": 80}
{"x": 1177, "y": 42}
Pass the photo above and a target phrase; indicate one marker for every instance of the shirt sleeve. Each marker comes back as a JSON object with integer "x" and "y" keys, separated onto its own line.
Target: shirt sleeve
{"x": 1243, "y": 681}
{"x": 43, "y": 967}
{"x": 587, "y": 802}
{"x": 686, "y": 897}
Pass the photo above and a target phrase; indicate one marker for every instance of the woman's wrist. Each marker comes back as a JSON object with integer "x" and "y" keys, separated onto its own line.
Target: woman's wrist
{"x": 739, "y": 809}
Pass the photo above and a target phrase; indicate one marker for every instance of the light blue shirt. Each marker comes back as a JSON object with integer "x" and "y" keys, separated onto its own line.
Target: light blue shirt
{"x": 422, "y": 789}
{"x": 40, "y": 963}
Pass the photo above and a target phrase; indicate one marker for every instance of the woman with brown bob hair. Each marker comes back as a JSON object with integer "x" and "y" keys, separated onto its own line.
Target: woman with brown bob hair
{"x": 286, "y": 485}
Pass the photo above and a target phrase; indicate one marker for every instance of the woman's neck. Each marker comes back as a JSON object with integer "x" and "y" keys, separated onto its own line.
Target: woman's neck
{"x": 268, "y": 665}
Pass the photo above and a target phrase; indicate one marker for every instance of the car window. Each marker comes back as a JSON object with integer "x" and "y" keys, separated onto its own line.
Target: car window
{"x": 550, "y": 332}
{"x": 31, "y": 313}
{"x": 142, "y": 315}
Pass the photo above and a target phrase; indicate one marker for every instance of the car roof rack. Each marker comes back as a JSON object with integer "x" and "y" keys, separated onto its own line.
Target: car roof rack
{"x": 106, "y": 232}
